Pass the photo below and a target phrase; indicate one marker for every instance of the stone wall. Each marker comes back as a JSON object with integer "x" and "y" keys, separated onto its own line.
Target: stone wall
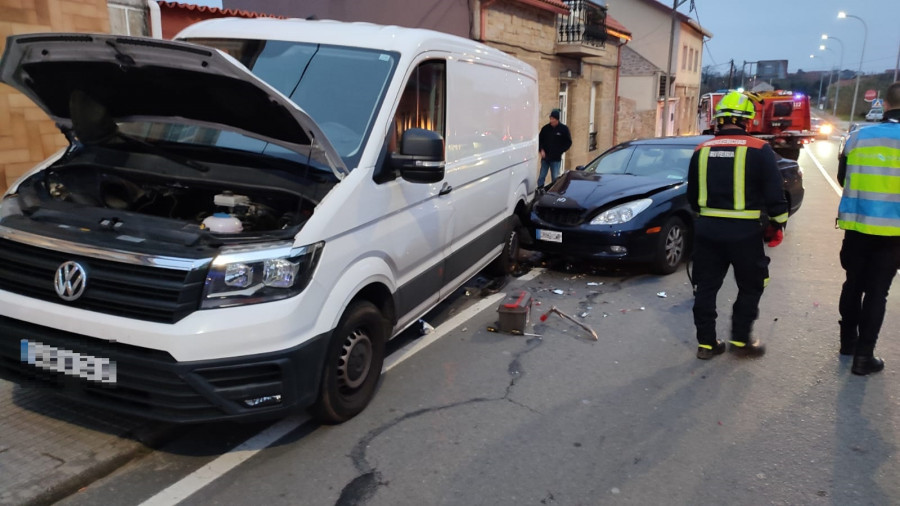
{"x": 27, "y": 135}
{"x": 634, "y": 124}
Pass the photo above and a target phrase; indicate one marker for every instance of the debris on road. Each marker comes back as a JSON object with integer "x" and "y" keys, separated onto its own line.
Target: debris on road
{"x": 661, "y": 295}
{"x": 576, "y": 322}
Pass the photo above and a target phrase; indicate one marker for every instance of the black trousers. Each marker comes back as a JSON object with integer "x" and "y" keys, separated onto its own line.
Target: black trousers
{"x": 711, "y": 259}
{"x": 871, "y": 263}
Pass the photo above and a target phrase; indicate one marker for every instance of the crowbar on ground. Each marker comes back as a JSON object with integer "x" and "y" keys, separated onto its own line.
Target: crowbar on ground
{"x": 573, "y": 320}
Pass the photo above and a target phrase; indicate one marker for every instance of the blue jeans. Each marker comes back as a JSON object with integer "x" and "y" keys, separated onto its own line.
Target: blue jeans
{"x": 554, "y": 171}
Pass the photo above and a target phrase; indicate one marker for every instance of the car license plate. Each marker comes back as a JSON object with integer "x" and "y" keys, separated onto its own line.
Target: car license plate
{"x": 68, "y": 362}
{"x": 549, "y": 235}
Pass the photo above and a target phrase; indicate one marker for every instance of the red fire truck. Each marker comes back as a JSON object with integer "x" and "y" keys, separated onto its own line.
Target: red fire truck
{"x": 782, "y": 118}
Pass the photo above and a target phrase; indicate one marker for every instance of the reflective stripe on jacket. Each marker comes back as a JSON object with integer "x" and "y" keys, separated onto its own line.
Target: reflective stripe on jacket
{"x": 870, "y": 203}
{"x": 736, "y": 176}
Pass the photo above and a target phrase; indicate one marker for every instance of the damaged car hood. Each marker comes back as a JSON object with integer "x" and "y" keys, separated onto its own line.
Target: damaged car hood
{"x": 590, "y": 191}
{"x": 85, "y": 82}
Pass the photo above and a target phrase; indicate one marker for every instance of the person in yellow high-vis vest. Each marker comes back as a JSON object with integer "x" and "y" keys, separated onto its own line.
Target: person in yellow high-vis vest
{"x": 869, "y": 213}
{"x": 737, "y": 190}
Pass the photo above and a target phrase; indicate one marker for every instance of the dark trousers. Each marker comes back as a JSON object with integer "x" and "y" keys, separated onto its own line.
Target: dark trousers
{"x": 711, "y": 260}
{"x": 871, "y": 263}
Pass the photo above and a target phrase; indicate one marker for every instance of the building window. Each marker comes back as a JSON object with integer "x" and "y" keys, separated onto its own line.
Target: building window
{"x": 684, "y": 57}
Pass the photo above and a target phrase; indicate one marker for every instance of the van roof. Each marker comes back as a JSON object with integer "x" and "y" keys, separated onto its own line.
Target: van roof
{"x": 406, "y": 41}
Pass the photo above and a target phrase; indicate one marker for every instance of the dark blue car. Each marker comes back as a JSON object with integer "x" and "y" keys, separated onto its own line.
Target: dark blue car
{"x": 629, "y": 205}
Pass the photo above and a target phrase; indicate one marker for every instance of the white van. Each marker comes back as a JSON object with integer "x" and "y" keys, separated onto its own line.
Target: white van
{"x": 224, "y": 243}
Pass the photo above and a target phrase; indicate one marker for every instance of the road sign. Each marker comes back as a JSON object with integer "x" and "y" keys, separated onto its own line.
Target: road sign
{"x": 870, "y": 95}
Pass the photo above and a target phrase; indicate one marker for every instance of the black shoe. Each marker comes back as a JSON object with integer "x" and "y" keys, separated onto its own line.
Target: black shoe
{"x": 704, "y": 353}
{"x": 866, "y": 365}
{"x": 754, "y": 348}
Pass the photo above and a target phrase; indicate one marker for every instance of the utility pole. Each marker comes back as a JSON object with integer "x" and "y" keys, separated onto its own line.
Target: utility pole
{"x": 665, "y": 125}
{"x": 731, "y": 73}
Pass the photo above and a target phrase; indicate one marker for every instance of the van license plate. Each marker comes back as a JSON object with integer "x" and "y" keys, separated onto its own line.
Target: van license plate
{"x": 68, "y": 362}
{"x": 549, "y": 235}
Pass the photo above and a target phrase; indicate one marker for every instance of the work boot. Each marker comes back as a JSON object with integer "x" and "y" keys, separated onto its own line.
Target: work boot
{"x": 849, "y": 337}
{"x": 863, "y": 365}
{"x": 752, "y": 348}
{"x": 707, "y": 351}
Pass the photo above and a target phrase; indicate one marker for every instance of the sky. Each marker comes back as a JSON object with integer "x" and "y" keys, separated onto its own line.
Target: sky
{"x": 792, "y": 30}
{"x": 755, "y": 30}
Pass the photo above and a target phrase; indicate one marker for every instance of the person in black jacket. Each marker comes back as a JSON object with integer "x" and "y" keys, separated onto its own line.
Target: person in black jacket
{"x": 733, "y": 182}
{"x": 553, "y": 141}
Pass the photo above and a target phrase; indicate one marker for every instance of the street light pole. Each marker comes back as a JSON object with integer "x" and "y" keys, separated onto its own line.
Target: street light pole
{"x": 821, "y": 78}
{"x": 837, "y": 91}
{"x": 823, "y": 47}
{"x": 862, "y": 53}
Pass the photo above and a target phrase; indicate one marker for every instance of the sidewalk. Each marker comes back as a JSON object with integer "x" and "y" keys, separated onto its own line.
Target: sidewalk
{"x": 49, "y": 447}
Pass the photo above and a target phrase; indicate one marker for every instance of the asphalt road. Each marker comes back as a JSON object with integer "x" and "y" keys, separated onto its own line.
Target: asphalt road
{"x": 634, "y": 418}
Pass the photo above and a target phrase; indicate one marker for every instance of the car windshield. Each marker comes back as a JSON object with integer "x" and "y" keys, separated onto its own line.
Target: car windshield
{"x": 653, "y": 160}
{"x": 341, "y": 88}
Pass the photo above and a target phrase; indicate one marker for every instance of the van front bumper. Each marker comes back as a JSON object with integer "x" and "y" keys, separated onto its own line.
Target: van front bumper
{"x": 151, "y": 384}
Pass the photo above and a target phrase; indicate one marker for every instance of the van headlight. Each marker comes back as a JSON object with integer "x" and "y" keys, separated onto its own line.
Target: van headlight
{"x": 259, "y": 273}
{"x": 621, "y": 213}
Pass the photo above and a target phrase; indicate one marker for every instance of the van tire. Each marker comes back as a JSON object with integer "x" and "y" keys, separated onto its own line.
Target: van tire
{"x": 508, "y": 261}
{"x": 673, "y": 244}
{"x": 353, "y": 364}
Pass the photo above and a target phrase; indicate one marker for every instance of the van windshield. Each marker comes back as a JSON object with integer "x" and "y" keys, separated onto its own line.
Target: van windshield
{"x": 341, "y": 88}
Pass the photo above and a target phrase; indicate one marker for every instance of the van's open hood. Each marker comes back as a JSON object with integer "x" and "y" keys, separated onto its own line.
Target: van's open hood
{"x": 135, "y": 77}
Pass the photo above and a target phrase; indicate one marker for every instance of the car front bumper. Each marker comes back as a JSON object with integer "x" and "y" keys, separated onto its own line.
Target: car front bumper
{"x": 151, "y": 384}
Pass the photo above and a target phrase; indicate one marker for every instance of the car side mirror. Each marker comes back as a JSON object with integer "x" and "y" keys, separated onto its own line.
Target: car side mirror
{"x": 421, "y": 157}
{"x": 580, "y": 167}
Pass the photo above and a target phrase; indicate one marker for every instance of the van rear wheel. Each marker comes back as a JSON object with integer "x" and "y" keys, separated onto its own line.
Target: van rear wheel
{"x": 352, "y": 364}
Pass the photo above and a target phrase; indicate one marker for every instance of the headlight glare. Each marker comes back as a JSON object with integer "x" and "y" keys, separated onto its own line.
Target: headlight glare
{"x": 622, "y": 213}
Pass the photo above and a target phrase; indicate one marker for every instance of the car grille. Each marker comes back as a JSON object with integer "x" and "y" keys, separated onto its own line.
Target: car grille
{"x": 557, "y": 216}
{"x": 134, "y": 291}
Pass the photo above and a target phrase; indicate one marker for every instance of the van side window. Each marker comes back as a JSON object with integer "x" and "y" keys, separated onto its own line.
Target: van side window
{"x": 422, "y": 105}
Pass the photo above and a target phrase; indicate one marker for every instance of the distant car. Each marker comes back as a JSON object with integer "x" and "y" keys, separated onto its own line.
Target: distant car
{"x": 875, "y": 114}
{"x": 822, "y": 128}
{"x": 629, "y": 205}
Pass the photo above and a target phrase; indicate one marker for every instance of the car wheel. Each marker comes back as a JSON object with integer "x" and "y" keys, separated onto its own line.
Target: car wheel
{"x": 672, "y": 246}
{"x": 352, "y": 364}
{"x": 508, "y": 261}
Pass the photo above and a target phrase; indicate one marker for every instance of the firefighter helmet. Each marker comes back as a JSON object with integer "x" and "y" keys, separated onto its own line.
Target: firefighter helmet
{"x": 735, "y": 105}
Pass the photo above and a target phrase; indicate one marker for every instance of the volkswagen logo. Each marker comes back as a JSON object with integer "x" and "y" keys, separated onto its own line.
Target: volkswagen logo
{"x": 70, "y": 281}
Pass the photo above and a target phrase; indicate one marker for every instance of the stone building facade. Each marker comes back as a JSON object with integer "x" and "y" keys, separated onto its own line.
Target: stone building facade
{"x": 27, "y": 134}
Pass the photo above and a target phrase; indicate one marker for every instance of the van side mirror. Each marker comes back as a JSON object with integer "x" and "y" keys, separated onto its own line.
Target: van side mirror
{"x": 421, "y": 157}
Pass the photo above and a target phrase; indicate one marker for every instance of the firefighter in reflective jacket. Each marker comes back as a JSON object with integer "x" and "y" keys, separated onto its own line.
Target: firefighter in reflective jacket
{"x": 736, "y": 188}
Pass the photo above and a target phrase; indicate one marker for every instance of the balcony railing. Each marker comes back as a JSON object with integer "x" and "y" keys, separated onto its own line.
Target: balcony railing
{"x": 585, "y": 24}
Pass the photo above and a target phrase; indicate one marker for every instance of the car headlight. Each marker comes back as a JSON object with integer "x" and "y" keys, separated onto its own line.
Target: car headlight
{"x": 826, "y": 129}
{"x": 259, "y": 273}
{"x": 621, "y": 213}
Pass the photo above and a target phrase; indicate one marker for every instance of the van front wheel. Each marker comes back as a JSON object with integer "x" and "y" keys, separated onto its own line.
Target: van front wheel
{"x": 352, "y": 364}
{"x": 508, "y": 261}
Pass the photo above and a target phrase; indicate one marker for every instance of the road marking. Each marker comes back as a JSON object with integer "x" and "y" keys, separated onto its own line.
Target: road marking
{"x": 194, "y": 482}
{"x": 212, "y": 471}
{"x": 834, "y": 185}
{"x": 420, "y": 344}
